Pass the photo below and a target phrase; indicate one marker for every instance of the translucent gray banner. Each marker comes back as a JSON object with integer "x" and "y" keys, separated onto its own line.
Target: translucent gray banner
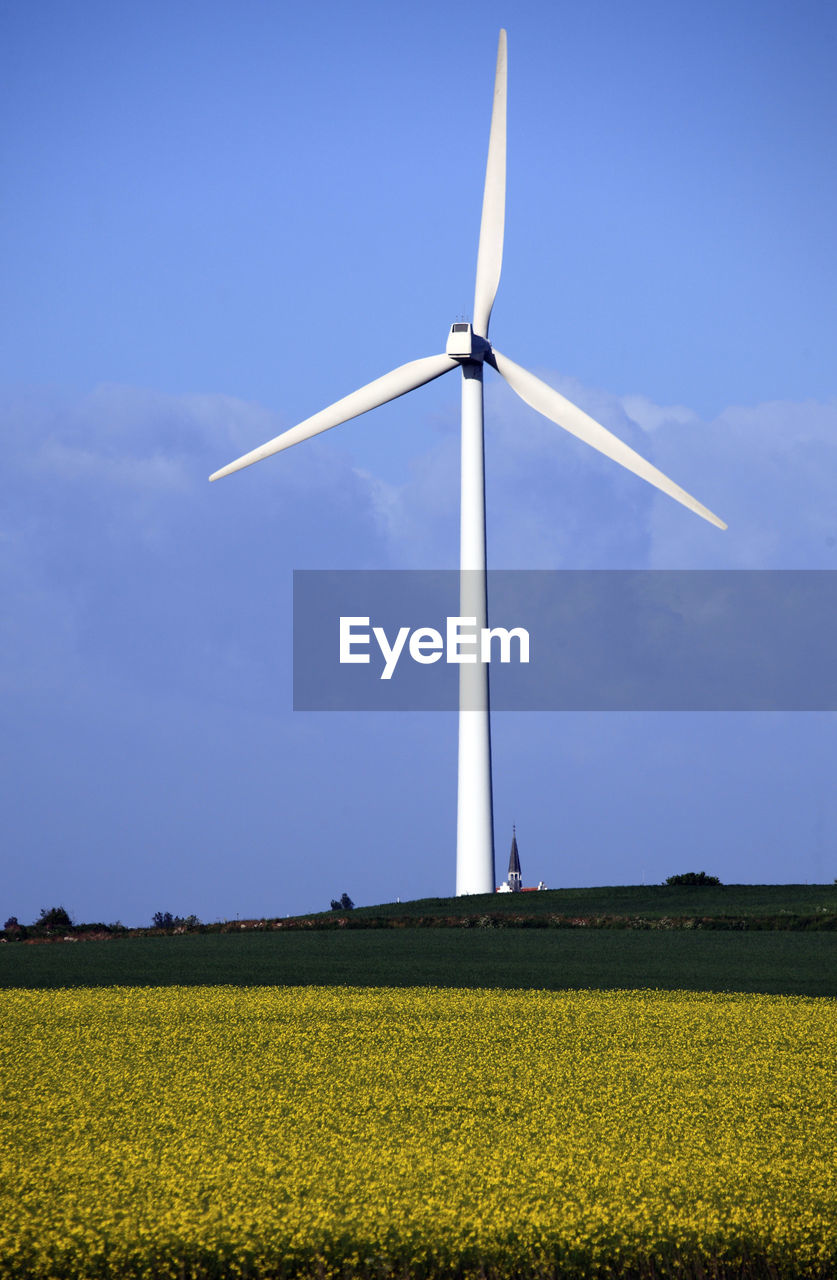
{"x": 569, "y": 640}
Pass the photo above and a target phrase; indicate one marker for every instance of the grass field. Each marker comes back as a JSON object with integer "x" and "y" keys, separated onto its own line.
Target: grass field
{"x": 330, "y": 1132}
{"x": 650, "y": 901}
{"x": 770, "y": 961}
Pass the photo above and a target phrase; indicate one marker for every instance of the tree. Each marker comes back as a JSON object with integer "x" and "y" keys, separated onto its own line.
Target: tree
{"x": 693, "y": 877}
{"x": 343, "y": 903}
{"x": 53, "y": 918}
{"x": 165, "y": 920}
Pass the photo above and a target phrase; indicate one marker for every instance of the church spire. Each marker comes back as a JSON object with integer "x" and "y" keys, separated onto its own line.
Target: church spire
{"x": 515, "y": 881}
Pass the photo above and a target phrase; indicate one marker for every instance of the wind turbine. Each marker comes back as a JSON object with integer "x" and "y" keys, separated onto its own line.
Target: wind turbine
{"x": 468, "y": 348}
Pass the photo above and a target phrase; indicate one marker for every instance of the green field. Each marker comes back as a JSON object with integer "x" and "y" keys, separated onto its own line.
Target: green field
{"x": 649, "y": 901}
{"x": 772, "y": 961}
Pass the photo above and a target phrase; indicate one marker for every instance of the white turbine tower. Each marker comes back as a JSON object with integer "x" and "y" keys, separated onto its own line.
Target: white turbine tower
{"x": 469, "y": 349}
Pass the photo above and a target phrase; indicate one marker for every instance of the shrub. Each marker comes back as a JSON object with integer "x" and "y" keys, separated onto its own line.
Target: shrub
{"x": 693, "y": 877}
{"x": 343, "y": 903}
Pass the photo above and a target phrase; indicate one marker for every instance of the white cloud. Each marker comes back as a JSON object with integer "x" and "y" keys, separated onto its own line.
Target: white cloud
{"x": 651, "y": 417}
{"x": 418, "y": 520}
{"x": 769, "y": 470}
{"x": 75, "y": 463}
{"x": 119, "y": 561}
{"x": 110, "y": 530}
{"x": 140, "y": 439}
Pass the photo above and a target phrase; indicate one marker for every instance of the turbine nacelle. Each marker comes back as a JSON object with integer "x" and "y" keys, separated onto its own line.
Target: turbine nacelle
{"x": 464, "y": 344}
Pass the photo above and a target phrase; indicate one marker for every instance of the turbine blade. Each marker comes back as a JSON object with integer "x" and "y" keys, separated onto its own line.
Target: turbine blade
{"x": 561, "y": 411}
{"x": 389, "y": 387}
{"x": 490, "y": 255}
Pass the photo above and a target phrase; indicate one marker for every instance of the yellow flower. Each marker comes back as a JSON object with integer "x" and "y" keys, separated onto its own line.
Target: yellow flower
{"x": 330, "y": 1131}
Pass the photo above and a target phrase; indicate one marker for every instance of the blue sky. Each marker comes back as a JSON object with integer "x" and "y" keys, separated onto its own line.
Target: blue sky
{"x": 220, "y": 218}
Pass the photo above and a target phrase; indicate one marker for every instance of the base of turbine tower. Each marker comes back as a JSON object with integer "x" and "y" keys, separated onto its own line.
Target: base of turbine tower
{"x": 474, "y": 822}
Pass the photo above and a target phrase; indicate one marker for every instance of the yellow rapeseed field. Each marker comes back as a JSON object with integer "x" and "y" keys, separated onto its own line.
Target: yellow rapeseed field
{"x": 170, "y": 1132}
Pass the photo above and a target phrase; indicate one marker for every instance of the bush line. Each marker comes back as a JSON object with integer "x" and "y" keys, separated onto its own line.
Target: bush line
{"x": 822, "y": 921}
